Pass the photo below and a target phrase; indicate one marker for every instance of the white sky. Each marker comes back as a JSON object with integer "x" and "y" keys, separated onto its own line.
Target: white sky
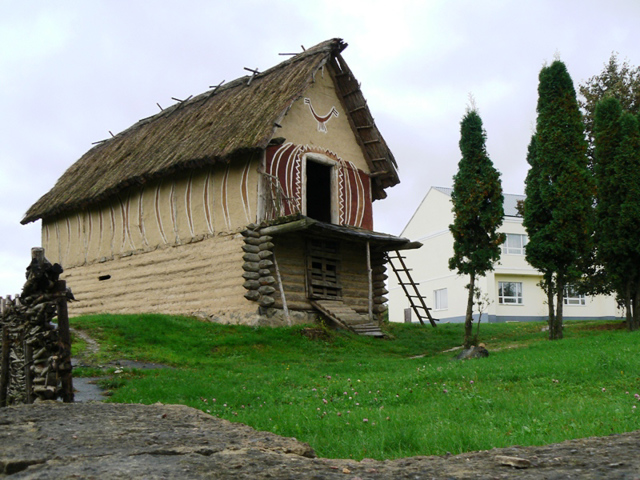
{"x": 71, "y": 71}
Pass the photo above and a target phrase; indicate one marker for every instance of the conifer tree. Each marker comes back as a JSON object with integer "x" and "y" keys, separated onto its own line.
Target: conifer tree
{"x": 617, "y": 172}
{"x": 537, "y": 217}
{"x": 560, "y": 227}
{"x": 478, "y": 211}
{"x": 619, "y": 80}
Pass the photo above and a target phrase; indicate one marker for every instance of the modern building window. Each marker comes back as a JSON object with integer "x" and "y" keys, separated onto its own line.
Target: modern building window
{"x": 510, "y": 293}
{"x": 572, "y": 297}
{"x": 440, "y": 300}
{"x": 514, "y": 244}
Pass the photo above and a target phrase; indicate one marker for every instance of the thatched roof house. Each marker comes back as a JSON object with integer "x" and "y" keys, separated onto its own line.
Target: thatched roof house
{"x": 217, "y": 126}
{"x": 295, "y": 143}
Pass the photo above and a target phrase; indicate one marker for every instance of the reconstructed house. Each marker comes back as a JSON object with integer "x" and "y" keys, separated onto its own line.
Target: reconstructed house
{"x": 512, "y": 288}
{"x": 250, "y": 203}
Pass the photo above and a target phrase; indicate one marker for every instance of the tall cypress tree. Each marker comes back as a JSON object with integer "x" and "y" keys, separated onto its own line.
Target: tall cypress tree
{"x": 537, "y": 216}
{"x": 478, "y": 211}
{"x": 617, "y": 171}
{"x": 560, "y": 244}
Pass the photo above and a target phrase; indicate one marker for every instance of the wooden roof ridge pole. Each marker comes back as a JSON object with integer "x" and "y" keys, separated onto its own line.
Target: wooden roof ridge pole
{"x": 339, "y": 69}
{"x": 254, "y": 72}
{"x": 281, "y": 287}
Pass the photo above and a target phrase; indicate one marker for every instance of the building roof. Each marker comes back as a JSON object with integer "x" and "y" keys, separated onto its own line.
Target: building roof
{"x": 316, "y": 228}
{"x": 237, "y": 118}
{"x": 510, "y": 201}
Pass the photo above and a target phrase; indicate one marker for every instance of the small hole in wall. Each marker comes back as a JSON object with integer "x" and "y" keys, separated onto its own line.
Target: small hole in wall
{"x": 104, "y": 277}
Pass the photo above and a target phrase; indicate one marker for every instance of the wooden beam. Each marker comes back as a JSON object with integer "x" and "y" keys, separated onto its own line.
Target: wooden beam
{"x": 288, "y": 227}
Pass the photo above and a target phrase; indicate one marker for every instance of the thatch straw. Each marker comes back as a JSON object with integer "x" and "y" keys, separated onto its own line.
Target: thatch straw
{"x": 218, "y": 125}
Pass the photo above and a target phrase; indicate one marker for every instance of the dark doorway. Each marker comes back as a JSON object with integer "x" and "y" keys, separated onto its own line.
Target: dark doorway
{"x": 319, "y": 191}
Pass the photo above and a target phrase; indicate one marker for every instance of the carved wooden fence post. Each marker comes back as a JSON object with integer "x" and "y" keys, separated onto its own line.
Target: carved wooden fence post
{"x": 4, "y": 368}
{"x": 65, "y": 339}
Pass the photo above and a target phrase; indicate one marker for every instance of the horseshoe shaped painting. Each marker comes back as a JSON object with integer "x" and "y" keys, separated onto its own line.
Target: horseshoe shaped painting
{"x": 321, "y": 119}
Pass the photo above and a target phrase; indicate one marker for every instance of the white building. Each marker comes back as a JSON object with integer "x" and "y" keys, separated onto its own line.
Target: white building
{"x": 512, "y": 288}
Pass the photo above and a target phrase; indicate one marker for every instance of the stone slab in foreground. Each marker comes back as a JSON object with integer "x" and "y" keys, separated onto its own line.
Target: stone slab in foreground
{"x": 97, "y": 440}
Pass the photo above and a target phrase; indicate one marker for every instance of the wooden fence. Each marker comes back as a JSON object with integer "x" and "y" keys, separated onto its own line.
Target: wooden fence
{"x": 36, "y": 350}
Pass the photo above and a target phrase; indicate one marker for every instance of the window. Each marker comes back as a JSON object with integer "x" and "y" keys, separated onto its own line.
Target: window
{"x": 572, "y": 297}
{"x": 514, "y": 244}
{"x": 440, "y": 300}
{"x": 510, "y": 293}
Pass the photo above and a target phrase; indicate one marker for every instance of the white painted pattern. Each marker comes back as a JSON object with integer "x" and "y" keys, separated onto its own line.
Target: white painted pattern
{"x": 187, "y": 203}
{"x": 66, "y": 255}
{"x": 141, "y": 227}
{"x": 206, "y": 200}
{"x": 244, "y": 188}
{"x": 113, "y": 227}
{"x": 223, "y": 198}
{"x": 173, "y": 208}
{"x": 158, "y": 214}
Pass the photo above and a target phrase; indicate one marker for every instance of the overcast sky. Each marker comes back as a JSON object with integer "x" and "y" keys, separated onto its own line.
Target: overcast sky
{"x": 71, "y": 71}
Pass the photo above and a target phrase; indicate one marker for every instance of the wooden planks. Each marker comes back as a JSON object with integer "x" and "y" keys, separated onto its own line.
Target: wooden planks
{"x": 347, "y": 318}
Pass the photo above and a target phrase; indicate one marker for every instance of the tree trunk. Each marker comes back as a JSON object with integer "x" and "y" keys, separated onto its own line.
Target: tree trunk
{"x": 634, "y": 306}
{"x": 552, "y": 310}
{"x": 468, "y": 321}
{"x": 557, "y": 323}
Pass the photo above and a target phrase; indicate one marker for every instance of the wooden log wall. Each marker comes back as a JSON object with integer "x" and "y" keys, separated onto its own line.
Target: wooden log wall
{"x": 259, "y": 270}
{"x": 36, "y": 353}
{"x": 379, "y": 277}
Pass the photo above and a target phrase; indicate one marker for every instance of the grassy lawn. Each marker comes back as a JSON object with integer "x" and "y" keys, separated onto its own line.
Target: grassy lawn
{"x": 360, "y": 397}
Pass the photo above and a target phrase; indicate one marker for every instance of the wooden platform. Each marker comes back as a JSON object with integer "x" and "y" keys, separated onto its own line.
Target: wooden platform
{"x": 347, "y": 318}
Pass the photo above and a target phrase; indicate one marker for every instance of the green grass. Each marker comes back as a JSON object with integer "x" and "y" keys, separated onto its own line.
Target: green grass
{"x": 359, "y": 397}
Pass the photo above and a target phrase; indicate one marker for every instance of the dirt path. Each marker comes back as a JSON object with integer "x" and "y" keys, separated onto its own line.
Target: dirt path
{"x": 86, "y": 389}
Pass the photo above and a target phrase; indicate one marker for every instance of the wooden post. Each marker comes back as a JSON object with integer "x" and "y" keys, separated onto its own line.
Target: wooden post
{"x": 4, "y": 368}
{"x": 281, "y": 287}
{"x": 28, "y": 360}
{"x": 37, "y": 253}
{"x": 370, "y": 278}
{"x": 407, "y": 315}
{"x": 65, "y": 339}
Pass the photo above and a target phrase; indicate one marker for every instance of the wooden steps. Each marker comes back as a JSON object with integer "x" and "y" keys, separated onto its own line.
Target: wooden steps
{"x": 347, "y": 318}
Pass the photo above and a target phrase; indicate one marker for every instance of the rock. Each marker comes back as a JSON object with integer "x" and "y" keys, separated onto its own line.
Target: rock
{"x": 515, "y": 462}
{"x": 474, "y": 352}
{"x": 122, "y": 441}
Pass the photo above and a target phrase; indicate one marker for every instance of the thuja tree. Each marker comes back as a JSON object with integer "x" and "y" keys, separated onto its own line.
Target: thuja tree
{"x": 560, "y": 226}
{"x": 538, "y": 216}
{"x": 478, "y": 211}
{"x": 621, "y": 81}
{"x": 617, "y": 172}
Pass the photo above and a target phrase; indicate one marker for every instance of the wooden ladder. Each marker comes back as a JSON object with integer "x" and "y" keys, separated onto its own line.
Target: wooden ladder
{"x": 410, "y": 287}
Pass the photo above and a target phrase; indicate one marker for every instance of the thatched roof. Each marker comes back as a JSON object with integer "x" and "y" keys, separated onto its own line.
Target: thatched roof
{"x": 237, "y": 118}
